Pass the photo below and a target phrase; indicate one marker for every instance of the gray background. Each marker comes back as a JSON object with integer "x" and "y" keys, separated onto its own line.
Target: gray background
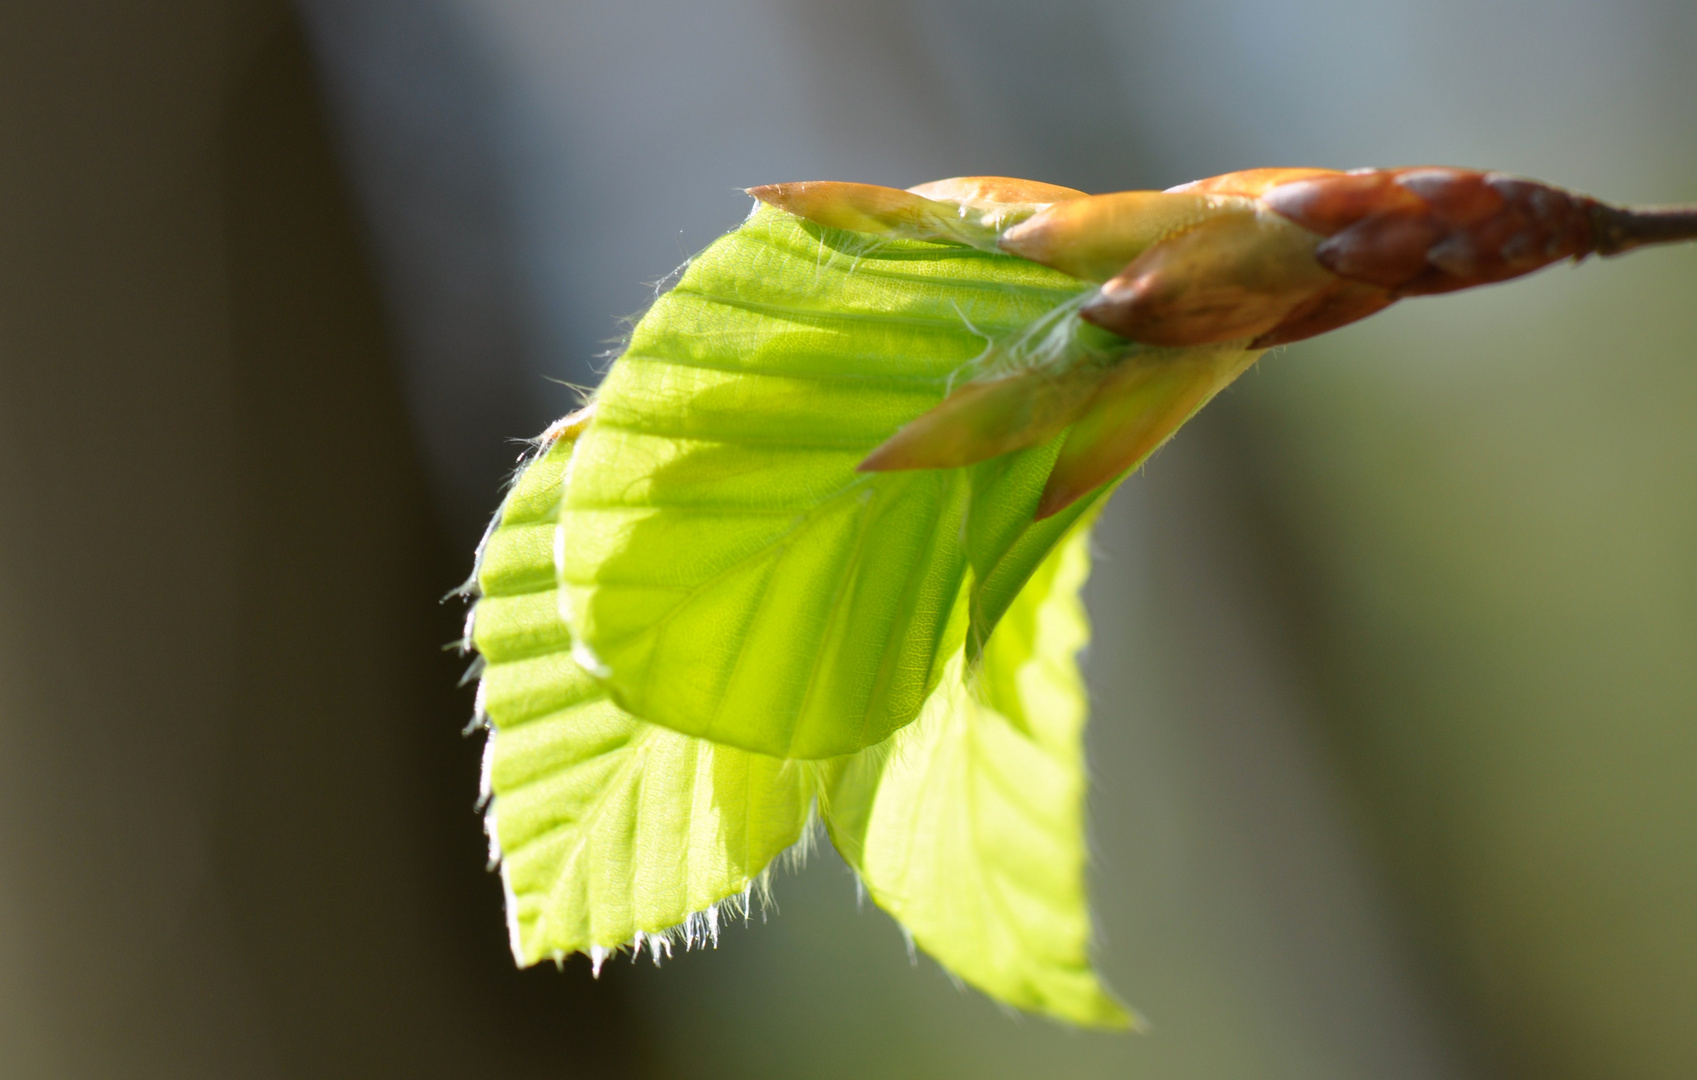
{"x": 1395, "y": 715}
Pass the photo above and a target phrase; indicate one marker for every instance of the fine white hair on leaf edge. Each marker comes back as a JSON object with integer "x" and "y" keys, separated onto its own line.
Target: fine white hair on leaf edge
{"x": 697, "y": 930}
{"x": 486, "y": 781}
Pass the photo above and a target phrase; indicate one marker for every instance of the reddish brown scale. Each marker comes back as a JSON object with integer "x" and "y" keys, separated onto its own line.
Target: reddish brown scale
{"x": 1387, "y": 250}
{"x": 1330, "y": 204}
{"x": 1252, "y": 183}
{"x": 1433, "y": 230}
{"x": 1392, "y": 233}
{"x": 1456, "y": 197}
{"x": 1339, "y": 305}
{"x": 1320, "y": 250}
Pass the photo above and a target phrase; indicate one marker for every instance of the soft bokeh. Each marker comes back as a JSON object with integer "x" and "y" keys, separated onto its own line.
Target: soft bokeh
{"x": 1395, "y": 743}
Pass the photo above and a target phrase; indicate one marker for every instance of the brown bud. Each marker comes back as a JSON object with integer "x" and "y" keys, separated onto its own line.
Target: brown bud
{"x": 1137, "y": 407}
{"x": 987, "y": 205}
{"x": 1209, "y": 273}
{"x": 1329, "y": 204}
{"x": 1251, "y": 183}
{"x": 1093, "y": 238}
{"x": 984, "y": 418}
{"x": 1339, "y": 304}
{"x": 1433, "y": 230}
{"x": 1237, "y": 276}
{"x": 1002, "y": 190}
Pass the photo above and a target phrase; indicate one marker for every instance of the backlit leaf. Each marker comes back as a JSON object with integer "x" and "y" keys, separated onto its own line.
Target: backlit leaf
{"x": 969, "y": 826}
{"x": 727, "y": 571}
{"x": 609, "y": 830}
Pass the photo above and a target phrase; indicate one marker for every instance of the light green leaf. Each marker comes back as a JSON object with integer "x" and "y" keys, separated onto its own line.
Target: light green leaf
{"x": 969, "y": 826}
{"x": 609, "y": 830}
{"x": 727, "y": 572}
{"x": 1005, "y": 548}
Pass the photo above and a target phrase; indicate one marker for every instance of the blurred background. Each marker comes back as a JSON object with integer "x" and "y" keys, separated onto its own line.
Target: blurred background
{"x": 1395, "y": 682}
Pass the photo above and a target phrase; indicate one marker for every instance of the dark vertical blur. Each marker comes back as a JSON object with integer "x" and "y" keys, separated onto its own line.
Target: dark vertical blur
{"x": 353, "y": 864}
{"x": 1393, "y": 742}
{"x": 117, "y": 546}
{"x": 237, "y": 837}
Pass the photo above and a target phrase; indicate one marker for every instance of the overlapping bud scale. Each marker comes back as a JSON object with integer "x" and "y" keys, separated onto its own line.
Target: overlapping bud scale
{"x": 1234, "y": 264}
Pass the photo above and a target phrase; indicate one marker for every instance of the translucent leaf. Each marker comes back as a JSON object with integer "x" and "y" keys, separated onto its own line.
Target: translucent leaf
{"x": 969, "y": 826}
{"x": 727, "y": 571}
{"x": 609, "y": 830}
{"x": 1139, "y": 406}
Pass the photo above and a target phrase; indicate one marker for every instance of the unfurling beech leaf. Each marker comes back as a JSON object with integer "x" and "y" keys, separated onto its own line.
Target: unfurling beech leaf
{"x": 820, "y": 496}
{"x": 729, "y": 573}
{"x": 968, "y": 826}
{"x": 609, "y": 830}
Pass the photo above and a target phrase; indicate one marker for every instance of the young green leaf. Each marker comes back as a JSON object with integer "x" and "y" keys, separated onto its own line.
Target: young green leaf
{"x": 728, "y": 573}
{"x": 969, "y": 826}
{"x": 609, "y": 830}
{"x": 839, "y": 481}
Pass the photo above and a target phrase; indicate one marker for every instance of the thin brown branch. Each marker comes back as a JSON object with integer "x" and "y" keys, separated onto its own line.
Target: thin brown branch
{"x": 1622, "y": 228}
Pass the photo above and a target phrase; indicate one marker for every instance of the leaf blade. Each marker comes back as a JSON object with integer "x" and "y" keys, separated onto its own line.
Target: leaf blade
{"x": 969, "y": 827}
{"x": 812, "y": 619}
{"x": 609, "y": 829}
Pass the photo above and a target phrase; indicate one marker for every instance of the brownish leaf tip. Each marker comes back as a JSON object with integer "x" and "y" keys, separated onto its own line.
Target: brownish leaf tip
{"x": 995, "y": 189}
{"x": 1057, "y": 497}
{"x": 890, "y": 458}
{"x": 1251, "y": 183}
{"x": 856, "y": 207}
{"x": 1339, "y": 304}
{"x": 568, "y": 427}
{"x": 1236, "y": 276}
{"x": 979, "y": 421}
{"x": 933, "y": 440}
{"x": 1093, "y": 238}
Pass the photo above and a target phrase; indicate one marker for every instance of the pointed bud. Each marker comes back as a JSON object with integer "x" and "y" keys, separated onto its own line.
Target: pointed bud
{"x": 983, "y": 419}
{"x": 1093, "y": 238}
{"x": 1137, "y": 408}
{"x": 1432, "y": 230}
{"x": 997, "y": 190}
{"x": 1251, "y": 183}
{"x": 994, "y": 203}
{"x": 1210, "y": 274}
{"x": 1339, "y": 304}
{"x": 1235, "y": 277}
{"x": 1030, "y": 386}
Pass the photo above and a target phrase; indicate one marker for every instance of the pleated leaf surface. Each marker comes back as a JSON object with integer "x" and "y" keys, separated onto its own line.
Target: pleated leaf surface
{"x": 968, "y": 827}
{"x": 728, "y": 573}
{"x": 609, "y": 829}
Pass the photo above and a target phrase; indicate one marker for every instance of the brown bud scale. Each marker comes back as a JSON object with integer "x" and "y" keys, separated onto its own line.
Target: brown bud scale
{"x": 1433, "y": 230}
{"x": 1209, "y": 274}
{"x": 1265, "y": 256}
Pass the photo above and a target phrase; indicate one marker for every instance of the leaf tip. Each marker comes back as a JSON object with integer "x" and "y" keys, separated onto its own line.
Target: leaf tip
{"x": 894, "y": 454}
{"x": 1058, "y": 496}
